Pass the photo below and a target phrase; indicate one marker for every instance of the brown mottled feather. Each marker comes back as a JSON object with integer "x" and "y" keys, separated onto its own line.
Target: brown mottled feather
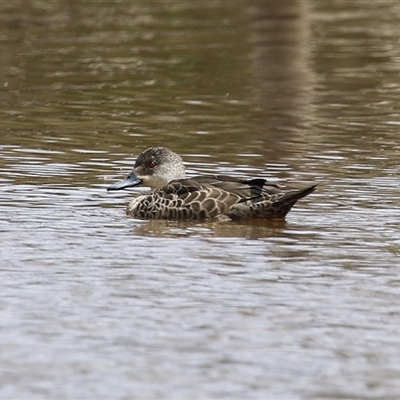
{"x": 207, "y": 197}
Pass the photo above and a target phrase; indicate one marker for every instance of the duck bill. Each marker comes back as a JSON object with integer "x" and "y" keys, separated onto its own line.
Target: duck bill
{"x": 129, "y": 181}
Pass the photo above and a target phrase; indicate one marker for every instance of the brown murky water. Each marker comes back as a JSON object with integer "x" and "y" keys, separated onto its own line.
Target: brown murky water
{"x": 97, "y": 305}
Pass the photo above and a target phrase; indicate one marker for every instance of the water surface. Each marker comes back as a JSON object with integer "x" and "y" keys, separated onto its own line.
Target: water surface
{"x": 98, "y": 305}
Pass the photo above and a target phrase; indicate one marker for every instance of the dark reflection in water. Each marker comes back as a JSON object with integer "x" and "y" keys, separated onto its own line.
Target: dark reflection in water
{"x": 280, "y": 59}
{"x": 248, "y": 230}
{"x": 162, "y": 75}
{"x": 98, "y": 305}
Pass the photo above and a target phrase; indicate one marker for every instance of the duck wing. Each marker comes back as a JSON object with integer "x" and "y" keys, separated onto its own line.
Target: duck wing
{"x": 258, "y": 197}
{"x": 246, "y": 189}
{"x": 271, "y": 204}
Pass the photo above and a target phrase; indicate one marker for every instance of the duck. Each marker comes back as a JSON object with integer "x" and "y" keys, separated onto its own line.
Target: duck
{"x": 204, "y": 197}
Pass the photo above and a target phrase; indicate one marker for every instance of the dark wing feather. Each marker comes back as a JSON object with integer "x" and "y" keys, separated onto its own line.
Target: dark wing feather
{"x": 246, "y": 189}
{"x": 258, "y": 197}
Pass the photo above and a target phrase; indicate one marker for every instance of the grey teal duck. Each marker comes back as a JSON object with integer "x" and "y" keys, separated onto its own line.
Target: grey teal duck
{"x": 207, "y": 197}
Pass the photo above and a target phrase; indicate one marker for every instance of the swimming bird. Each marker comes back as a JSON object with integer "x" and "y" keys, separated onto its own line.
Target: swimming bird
{"x": 207, "y": 197}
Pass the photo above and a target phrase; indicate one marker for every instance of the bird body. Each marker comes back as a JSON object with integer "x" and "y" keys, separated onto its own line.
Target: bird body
{"x": 207, "y": 197}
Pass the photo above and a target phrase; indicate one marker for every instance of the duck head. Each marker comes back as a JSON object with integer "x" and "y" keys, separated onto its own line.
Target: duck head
{"x": 155, "y": 167}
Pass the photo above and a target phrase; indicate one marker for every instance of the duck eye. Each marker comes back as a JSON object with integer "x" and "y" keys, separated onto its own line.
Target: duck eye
{"x": 152, "y": 164}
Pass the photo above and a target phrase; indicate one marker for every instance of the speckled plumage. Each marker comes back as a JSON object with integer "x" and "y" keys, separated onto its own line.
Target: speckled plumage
{"x": 207, "y": 197}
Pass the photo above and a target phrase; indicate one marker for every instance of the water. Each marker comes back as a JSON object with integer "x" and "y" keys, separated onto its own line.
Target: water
{"x": 98, "y": 305}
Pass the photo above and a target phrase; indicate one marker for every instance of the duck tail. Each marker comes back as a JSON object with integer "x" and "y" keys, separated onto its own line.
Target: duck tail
{"x": 285, "y": 203}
